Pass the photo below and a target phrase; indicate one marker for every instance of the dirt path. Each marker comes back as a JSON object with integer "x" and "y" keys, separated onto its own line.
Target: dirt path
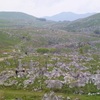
{"x": 3, "y": 58}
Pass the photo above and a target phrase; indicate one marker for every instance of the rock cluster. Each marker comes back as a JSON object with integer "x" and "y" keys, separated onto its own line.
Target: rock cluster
{"x": 52, "y": 96}
{"x": 75, "y": 73}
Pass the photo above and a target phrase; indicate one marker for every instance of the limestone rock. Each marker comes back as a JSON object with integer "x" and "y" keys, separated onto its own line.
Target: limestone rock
{"x": 54, "y": 84}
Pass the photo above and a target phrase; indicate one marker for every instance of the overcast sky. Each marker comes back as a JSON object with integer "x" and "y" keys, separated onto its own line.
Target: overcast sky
{"x": 40, "y": 8}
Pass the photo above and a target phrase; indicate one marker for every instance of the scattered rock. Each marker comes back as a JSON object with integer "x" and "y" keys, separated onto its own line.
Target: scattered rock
{"x": 51, "y": 96}
{"x": 68, "y": 98}
{"x": 17, "y": 98}
{"x": 54, "y": 84}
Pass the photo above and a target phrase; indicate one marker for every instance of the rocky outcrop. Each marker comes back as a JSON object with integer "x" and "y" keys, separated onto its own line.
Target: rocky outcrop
{"x": 54, "y": 84}
{"x": 52, "y": 96}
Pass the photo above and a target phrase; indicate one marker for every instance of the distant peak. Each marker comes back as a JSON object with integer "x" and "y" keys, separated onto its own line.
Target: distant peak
{"x": 68, "y": 16}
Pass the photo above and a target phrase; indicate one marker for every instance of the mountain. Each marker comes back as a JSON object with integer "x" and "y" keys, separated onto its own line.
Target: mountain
{"x": 67, "y": 16}
{"x": 90, "y": 23}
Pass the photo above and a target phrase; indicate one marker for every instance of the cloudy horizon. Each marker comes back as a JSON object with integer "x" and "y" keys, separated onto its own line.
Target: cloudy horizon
{"x": 40, "y": 8}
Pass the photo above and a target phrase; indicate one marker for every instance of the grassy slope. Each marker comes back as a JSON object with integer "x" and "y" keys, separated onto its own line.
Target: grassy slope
{"x": 86, "y": 24}
{"x": 24, "y": 95}
{"x": 8, "y": 40}
{"x": 15, "y": 15}
{"x": 19, "y": 20}
{"x": 29, "y": 95}
{"x": 43, "y": 37}
{"x": 39, "y": 38}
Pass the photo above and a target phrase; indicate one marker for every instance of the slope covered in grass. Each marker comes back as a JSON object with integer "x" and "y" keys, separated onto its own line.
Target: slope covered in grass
{"x": 85, "y": 24}
{"x": 20, "y": 20}
{"x": 15, "y": 15}
{"x": 8, "y": 39}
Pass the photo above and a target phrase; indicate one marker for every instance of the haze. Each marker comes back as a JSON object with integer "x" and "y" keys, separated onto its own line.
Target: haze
{"x": 40, "y": 8}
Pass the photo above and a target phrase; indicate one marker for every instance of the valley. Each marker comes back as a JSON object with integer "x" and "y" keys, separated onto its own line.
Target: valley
{"x": 47, "y": 60}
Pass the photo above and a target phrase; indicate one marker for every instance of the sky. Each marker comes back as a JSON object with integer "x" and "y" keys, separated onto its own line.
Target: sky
{"x": 40, "y": 8}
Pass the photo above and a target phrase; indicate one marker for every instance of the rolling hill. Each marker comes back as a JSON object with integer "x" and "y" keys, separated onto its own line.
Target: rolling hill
{"x": 16, "y": 16}
{"x": 37, "y": 56}
{"x": 89, "y": 24}
{"x": 36, "y": 33}
{"x": 20, "y": 20}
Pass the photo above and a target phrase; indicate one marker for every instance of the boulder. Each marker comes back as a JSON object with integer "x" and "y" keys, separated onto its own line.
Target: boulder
{"x": 17, "y": 98}
{"x": 76, "y": 99}
{"x": 46, "y": 97}
{"x": 29, "y": 81}
{"x": 51, "y": 96}
{"x": 54, "y": 84}
{"x": 98, "y": 86}
{"x": 68, "y": 98}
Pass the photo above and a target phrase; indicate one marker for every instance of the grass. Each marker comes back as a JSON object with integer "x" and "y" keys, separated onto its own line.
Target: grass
{"x": 41, "y": 37}
{"x": 84, "y": 97}
{"x": 25, "y": 39}
{"x": 31, "y": 95}
{"x": 4, "y": 55}
{"x": 24, "y": 95}
{"x": 8, "y": 40}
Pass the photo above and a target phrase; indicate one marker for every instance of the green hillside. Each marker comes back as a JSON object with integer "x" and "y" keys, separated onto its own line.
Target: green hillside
{"x": 20, "y": 20}
{"x": 39, "y": 56}
{"x": 15, "y": 15}
{"x": 36, "y": 33}
{"x": 86, "y": 24}
{"x": 8, "y": 40}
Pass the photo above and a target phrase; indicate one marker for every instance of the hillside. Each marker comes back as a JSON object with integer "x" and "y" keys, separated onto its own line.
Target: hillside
{"x": 36, "y": 33}
{"x": 42, "y": 60}
{"x": 8, "y": 39}
{"x": 20, "y": 20}
{"x": 67, "y": 16}
{"x": 16, "y": 16}
{"x": 67, "y": 64}
{"x": 88, "y": 24}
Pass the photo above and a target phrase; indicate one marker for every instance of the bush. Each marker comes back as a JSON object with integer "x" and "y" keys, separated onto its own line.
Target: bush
{"x": 52, "y": 50}
{"x": 81, "y": 50}
{"x": 42, "y": 50}
{"x": 97, "y": 31}
{"x": 46, "y": 50}
{"x": 86, "y": 47}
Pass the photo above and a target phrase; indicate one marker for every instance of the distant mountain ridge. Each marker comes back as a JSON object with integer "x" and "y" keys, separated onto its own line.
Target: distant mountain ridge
{"x": 67, "y": 16}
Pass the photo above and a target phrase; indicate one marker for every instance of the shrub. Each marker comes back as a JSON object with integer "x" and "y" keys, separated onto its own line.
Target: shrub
{"x": 97, "y": 31}
{"x": 52, "y": 50}
{"x": 42, "y": 50}
{"x": 81, "y": 50}
{"x": 86, "y": 47}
